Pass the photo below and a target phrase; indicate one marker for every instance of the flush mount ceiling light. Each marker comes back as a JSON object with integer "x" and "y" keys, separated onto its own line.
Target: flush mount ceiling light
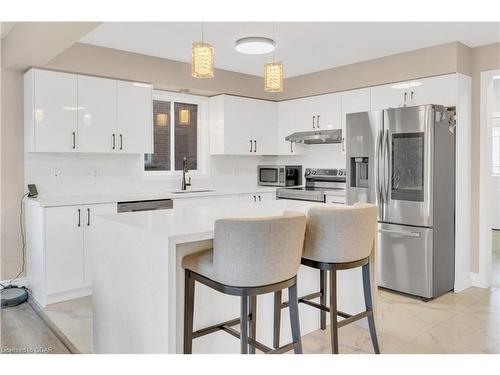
{"x": 202, "y": 59}
{"x": 254, "y": 45}
{"x": 406, "y": 85}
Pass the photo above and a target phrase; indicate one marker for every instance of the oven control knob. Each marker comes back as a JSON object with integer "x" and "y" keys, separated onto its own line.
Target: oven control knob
{"x": 313, "y": 171}
{"x": 340, "y": 173}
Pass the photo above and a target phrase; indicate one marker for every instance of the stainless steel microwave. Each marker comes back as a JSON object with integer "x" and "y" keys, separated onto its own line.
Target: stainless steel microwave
{"x": 279, "y": 175}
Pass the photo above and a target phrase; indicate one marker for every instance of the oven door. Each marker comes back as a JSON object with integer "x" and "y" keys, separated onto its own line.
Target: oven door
{"x": 271, "y": 176}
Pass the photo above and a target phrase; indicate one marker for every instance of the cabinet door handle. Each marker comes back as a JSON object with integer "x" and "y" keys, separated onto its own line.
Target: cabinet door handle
{"x": 254, "y": 198}
{"x": 79, "y": 218}
{"x": 251, "y": 146}
{"x": 121, "y": 141}
{"x": 291, "y": 147}
{"x": 73, "y": 135}
{"x": 314, "y": 118}
{"x": 255, "y": 146}
{"x": 411, "y": 95}
{"x": 405, "y": 96}
{"x": 317, "y": 122}
{"x": 260, "y": 200}
{"x": 88, "y": 217}
{"x": 113, "y": 146}
{"x": 343, "y": 144}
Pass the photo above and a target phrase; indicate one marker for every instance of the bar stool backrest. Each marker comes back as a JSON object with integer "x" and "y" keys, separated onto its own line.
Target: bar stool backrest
{"x": 339, "y": 235}
{"x": 258, "y": 251}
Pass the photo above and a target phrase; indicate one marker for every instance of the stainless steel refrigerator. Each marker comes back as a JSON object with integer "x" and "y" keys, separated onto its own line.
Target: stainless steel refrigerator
{"x": 403, "y": 160}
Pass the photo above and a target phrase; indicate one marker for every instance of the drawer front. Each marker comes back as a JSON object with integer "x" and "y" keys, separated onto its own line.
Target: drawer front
{"x": 405, "y": 259}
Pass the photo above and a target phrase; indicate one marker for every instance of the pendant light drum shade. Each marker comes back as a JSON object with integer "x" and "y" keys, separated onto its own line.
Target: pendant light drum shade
{"x": 202, "y": 60}
{"x": 273, "y": 77}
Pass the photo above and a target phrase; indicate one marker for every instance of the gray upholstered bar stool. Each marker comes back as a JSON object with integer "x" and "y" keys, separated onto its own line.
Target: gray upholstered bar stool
{"x": 250, "y": 256}
{"x": 337, "y": 239}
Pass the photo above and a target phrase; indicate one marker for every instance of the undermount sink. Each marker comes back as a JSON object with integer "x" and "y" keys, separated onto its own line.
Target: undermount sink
{"x": 191, "y": 191}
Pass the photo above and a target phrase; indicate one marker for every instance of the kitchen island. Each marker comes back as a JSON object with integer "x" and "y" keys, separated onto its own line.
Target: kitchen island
{"x": 138, "y": 282}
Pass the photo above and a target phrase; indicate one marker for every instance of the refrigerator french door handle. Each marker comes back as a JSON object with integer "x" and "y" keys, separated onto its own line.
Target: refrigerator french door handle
{"x": 387, "y": 168}
{"x": 379, "y": 162}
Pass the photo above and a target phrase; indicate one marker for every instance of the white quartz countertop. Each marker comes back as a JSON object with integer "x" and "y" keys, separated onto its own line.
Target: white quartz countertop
{"x": 70, "y": 200}
{"x": 186, "y": 224}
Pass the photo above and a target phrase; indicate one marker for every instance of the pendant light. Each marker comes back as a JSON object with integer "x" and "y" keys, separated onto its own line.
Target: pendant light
{"x": 273, "y": 74}
{"x": 202, "y": 58}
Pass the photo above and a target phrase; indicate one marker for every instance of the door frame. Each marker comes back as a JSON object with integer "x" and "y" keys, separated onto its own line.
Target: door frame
{"x": 483, "y": 277}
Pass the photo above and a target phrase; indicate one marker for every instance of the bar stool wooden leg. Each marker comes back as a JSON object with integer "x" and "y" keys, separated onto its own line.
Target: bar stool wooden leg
{"x": 333, "y": 312}
{"x": 369, "y": 306}
{"x": 277, "y": 319}
{"x": 244, "y": 325}
{"x": 294, "y": 318}
{"x": 322, "y": 299}
{"x": 253, "y": 321}
{"x": 188, "y": 312}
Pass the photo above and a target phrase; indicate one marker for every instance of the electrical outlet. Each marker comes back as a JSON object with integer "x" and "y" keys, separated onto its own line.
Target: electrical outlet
{"x": 56, "y": 173}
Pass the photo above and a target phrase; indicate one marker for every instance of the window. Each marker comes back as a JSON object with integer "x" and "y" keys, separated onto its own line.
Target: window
{"x": 175, "y": 134}
{"x": 495, "y": 157}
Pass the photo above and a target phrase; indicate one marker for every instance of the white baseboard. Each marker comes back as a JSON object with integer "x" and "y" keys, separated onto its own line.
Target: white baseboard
{"x": 22, "y": 281}
{"x": 479, "y": 280}
{"x": 462, "y": 284}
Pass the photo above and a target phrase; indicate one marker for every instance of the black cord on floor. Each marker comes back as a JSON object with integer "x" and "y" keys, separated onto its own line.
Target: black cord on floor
{"x": 23, "y": 242}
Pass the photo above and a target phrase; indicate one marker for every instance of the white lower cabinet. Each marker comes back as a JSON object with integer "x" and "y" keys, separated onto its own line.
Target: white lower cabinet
{"x": 60, "y": 241}
{"x": 64, "y": 256}
{"x": 89, "y": 236}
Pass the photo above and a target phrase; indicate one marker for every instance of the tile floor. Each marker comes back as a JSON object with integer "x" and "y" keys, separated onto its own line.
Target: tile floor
{"x": 466, "y": 322}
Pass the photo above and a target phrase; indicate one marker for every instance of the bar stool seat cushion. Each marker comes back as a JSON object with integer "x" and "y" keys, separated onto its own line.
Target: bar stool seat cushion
{"x": 201, "y": 263}
{"x": 252, "y": 252}
{"x": 340, "y": 235}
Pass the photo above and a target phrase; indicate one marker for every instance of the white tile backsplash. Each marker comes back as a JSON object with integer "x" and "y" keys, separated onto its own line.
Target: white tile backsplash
{"x": 61, "y": 174}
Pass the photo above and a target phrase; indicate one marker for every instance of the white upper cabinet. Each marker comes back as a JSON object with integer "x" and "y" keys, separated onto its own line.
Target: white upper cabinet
{"x": 319, "y": 112}
{"x": 135, "y": 117}
{"x": 440, "y": 90}
{"x": 389, "y": 96}
{"x": 352, "y": 102}
{"x": 51, "y": 116}
{"x": 96, "y": 114}
{"x": 288, "y": 124}
{"x": 328, "y": 110}
{"x": 242, "y": 126}
{"x": 66, "y": 112}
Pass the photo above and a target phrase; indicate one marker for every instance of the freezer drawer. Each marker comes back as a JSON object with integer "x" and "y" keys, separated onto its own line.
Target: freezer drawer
{"x": 405, "y": 259}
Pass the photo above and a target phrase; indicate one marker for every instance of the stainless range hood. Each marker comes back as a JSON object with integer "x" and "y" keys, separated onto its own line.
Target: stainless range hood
{"x": 316, "y": 137}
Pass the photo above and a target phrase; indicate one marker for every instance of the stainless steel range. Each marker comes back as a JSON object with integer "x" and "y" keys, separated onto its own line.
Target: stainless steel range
{"x": 319, "y": 182}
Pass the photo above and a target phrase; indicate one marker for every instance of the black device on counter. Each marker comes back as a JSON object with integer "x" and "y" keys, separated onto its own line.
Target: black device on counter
{"x": 32, "y": 191}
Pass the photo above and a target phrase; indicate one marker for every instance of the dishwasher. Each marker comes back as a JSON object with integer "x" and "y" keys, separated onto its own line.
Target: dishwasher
{"x": 145, "y": 205}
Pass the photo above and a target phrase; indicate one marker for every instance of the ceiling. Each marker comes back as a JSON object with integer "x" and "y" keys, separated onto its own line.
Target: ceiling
{"x": 304, "y": 47}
